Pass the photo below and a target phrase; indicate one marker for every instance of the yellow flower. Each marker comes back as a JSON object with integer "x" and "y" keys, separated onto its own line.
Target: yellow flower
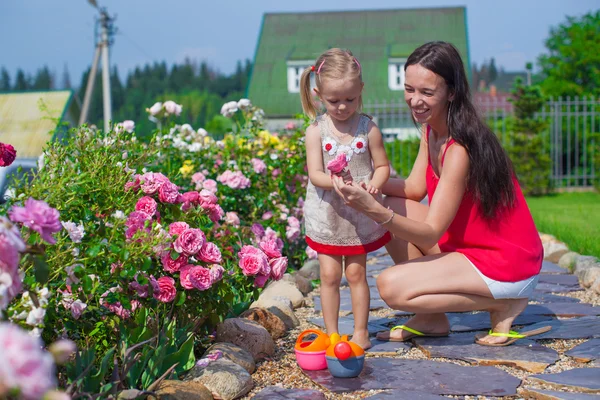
{"x": 187, "y": 168}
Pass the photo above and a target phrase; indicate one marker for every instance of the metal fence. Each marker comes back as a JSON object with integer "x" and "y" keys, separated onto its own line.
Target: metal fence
{"x": 571, "y": 136}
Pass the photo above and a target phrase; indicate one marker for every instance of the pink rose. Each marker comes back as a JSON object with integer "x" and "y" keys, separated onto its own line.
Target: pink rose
{"x": 184, "y": 277}
{"x": 207, "y": 197}
{"x": 25, "y": 366}
{"x": 267, "y": 215}
{"x": 146, "y": 205}
{"x": 7, "y": 154}
{"x": 293, "y": 222}
{"x": 171, "y": 265}
{"x": 151, "y": 182}
{"x": 311, "y": 253}
{"x": 258, "y": 230}
{"x": 210, "y": 185}
{"x": 215, "y": 212}
{"x": 134, "y": 185}
{"x": 77, "y": 308}
{"x": 136, "y": 221}
{"x": 292, "y": 233}
{"x": 190, "y": 241}
{"x": 338, "y": 164}
{"x": 210, "y": 253}
{"x": 177, "y": 228}
{"x": 190, "y": 197}
{"x": 252, "y": 260}
{"x": 276, "y": 172}
{"x": 290, "y": 126}
{"x": 260, "y": 280}
{"x": 168, "y": 193}
{"x": 270, "y": 248}
{"x": 141, "y": 290}
{"x": 278, "y": 267}
{"x": 38, "y": 216}
{"x": 198, "y": 177}
{"x": 167, "y": 291}
{"x": 232, "y": 218}
{"x": 216, "y": 273}
{"x": 200, "y": 278}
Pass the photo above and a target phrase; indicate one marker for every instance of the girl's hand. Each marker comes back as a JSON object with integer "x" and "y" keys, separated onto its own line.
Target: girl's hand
{"x": 372, "y": 190}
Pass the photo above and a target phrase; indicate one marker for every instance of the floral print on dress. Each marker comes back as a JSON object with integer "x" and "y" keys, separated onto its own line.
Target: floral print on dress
{"x": 359, "y": 145}
{"x": 346, "y": 150}
{"x": 329, "y": 146}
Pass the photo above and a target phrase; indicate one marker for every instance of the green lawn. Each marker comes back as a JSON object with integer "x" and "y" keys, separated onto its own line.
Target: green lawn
{"x": 574, "y": 218}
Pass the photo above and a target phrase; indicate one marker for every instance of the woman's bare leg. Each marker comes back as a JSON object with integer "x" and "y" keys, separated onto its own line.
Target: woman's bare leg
{"x": 331, "y": 276}
{"x": 356, "y": 274}
{"x": 444, "y": 282}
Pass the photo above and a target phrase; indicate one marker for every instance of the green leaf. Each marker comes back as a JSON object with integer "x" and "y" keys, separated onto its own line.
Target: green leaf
{"x": 42, "y": 271}
{"x": 184, "y": 356}
{"x": 87, "y": 283}
{"x": 94, "y": 250}
{"x": 95, "y": 381}
{"x": 180, "y": 299}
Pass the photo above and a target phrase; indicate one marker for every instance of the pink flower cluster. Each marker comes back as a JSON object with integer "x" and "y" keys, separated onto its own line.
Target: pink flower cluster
{"x": 24, "y": 366}
{"x": 38, "y": 216}
{"x": 258, "y": 166}
{"x": 11, "y": 245}
{"x": 7, "y": 154}
{"x": 262, "y": 263}
{"x": 117, "y": 307}
{"x": 235, "y": 180}
{"x": 292, "y": 230}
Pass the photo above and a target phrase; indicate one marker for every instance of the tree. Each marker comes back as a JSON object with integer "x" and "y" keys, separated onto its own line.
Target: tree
{"x": 66, "y": 79}
{"x": 21, "y": 81}
{"x": 4, "y": 80}
{"x": 493, "y": 71}
{"x": 572, "y": 65}
{"x": 43, "y": 79}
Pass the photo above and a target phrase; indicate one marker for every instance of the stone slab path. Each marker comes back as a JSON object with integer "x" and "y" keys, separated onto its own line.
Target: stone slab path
{"x": 455, "y": 365}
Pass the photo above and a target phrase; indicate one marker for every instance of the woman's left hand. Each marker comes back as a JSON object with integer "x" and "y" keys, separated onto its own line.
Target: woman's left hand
{"x": 353, "y": 194}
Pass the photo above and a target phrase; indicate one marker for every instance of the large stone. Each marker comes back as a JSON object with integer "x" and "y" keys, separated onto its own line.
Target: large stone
{"x": 524, "y": 354}
{"x": 247, "y": 334}
{"x": 586, "y": 352}
{"x": 279, "y": 393}
{"x": 546, "y": 237}
{"x": 272, "y": 323}
{"x": 465, "y": 322}
{"x": 551, "y": 268}
{"x": 540, "y": 394}
{"x": 233, "y": 353}
{"x": 284, "y": 289}
{"x": 311, "y": 270}
{"x": 381, "y": 348}
{"x": 561, "y": 309}
{"x": 542, "y": 297}
{"x": 303, "y": 284}
{"x": 405, "y": 394}
{"x": 564, "y": 280}
{"x": 224, "y": 378}
{"x": 596, "y": 286}
{"x": 588, "y": 277}
{"x": 582, "y": 379}
{"x": 568, "y": 260}
{"x": 584, "y": 262}
{"x": 282, "y": 307}
{"x": 574, "y": 328}
{"x": 554, "y": 250}
{"x": 178, "y": 390}
{"x": 382, "y": 373}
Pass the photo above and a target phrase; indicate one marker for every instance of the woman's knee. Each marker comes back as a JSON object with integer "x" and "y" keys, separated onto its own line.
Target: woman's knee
{"x": 392, "y": 287}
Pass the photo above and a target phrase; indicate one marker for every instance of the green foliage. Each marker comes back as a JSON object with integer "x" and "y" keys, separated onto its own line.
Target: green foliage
{"x": 572, "y": 64}
{"x": 402, "y": 155}
{"x": 573, "y": 218}
{"x": 525, "y": 142}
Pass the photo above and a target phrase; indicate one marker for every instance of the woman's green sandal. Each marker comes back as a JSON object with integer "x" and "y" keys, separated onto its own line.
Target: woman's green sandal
{"x": 415, "y": 333}
{"x": 512, "y": 335}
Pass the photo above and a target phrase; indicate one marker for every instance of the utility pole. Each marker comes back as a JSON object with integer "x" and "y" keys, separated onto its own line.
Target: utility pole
{"x": 102, "y": 46}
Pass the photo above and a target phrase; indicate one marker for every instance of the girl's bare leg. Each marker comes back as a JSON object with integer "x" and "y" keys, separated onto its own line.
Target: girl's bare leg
{"x": 356, "y": 274}
{"x": 331, "y": 276}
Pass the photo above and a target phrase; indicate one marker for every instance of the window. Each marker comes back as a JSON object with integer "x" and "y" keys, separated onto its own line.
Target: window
{"x": 396, "y": 74}
{"x": 294, "y": 72}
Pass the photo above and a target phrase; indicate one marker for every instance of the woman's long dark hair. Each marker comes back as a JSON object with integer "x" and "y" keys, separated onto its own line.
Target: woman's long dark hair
{"x": 490, "y": 173}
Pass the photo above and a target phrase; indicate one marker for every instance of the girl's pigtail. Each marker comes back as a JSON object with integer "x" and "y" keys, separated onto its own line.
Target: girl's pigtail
{"x": 305, "y": 94}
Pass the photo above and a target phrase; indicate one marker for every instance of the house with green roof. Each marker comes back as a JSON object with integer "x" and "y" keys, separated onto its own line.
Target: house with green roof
{"x": 380, "y": 39}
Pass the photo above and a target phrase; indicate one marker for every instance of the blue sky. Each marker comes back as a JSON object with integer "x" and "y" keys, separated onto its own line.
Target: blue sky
{"x": 59, "y": 32}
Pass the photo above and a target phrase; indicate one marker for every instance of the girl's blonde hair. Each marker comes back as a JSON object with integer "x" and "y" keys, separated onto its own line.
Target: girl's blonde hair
{"x": 333, "y": 64}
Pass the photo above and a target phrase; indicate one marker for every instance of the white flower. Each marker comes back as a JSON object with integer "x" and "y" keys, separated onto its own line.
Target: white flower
{"x": 346, "y": 150}
{"x": 244, "y": 104}
{"x": 359, "y": 145}
{"x": 186, "y": 128}
{"x": 172, "y": 108}
{"x": 155, "y": 109}
{"x": 124, "y": 155}
{"x": 202, "y": 132}
{"x": 220, "y": 144}
{"x": 273, "y": 156}
{"x": 195, "y": 147}
{"x": 229, "y": 109}
{"x": 40, "y": 161}
{"x": 75, "y": 251}
{"x": 329, "y": 146}
{"x": 128, "y": 125}
{"x": 35, "y": 317}
{"x": 118, "y": 214}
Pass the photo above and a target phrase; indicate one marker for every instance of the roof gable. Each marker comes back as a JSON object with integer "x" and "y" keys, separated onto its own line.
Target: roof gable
{"x": 374, "y": 36}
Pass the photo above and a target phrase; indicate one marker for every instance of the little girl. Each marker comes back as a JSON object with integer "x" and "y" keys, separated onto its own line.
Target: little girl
{"x": 334, "y": 230}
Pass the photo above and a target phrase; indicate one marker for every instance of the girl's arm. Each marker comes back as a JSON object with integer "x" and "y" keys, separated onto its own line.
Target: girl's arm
{"x": 442, "y": 209}
{"x": 314, "y": 159}
{"x": 415, "y": 186}
{"x": 381, "y": 164}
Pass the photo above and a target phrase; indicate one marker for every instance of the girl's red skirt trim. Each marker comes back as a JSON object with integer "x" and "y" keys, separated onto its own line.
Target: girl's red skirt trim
{"x": 349, "y": 250}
